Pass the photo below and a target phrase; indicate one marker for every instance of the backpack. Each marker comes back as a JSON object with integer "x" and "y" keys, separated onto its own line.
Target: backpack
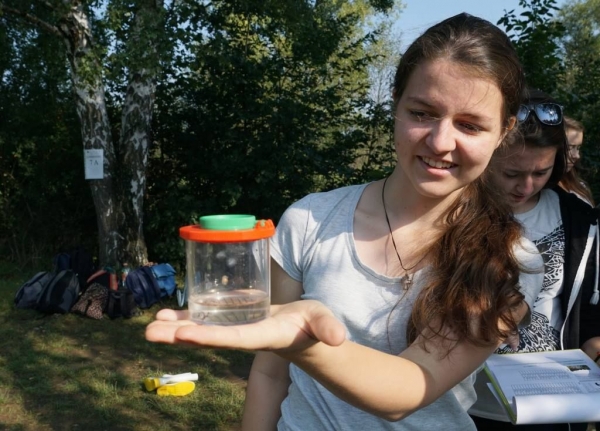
{"x": 165, "y": 277}
{"x": 79, "y": 260}
{"x": 144, "y": 286}
{"x": 82, "y": 264}
{"x": 92, "y": 302}
{"x": 121, "y": 303}
{"x": 30, "y": 291}
{"x": 61, "y": 262}
{"x": 60, "y": 293}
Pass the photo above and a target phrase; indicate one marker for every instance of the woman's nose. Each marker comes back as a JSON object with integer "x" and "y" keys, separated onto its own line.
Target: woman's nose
{"x": 526, "y": 185}
{"x": 441, "y": 137}
{"x": 574, "y": 154}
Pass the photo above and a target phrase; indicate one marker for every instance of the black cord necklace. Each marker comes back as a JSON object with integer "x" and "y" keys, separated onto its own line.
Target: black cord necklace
{"x": 407, "y": 280}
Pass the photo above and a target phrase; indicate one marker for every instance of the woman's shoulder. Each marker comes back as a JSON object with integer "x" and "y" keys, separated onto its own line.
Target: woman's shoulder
{"x": 325, "y": 200}
{"x": 570, "y": 198}
{"x": 528, "y": 255}
{"x": 572, "y": 204}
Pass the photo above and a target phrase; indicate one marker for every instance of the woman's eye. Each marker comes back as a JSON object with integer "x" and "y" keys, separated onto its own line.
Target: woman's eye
{"x": 420, "y": 115}
{"x": 507, "y": 175}
{"x": 471, "y": 127}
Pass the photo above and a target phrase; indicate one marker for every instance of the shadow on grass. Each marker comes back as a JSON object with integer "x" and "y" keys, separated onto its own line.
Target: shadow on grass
{"x": 67, "y": 372}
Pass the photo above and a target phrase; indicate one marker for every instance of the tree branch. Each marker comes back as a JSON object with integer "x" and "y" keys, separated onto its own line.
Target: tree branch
{"x": 43, "y": 25}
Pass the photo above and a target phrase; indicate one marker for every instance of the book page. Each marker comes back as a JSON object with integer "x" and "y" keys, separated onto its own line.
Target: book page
{"x": 547, "y": 387}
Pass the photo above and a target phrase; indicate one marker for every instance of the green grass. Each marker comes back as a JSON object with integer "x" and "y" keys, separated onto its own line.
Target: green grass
{"x": 68, "y": 372}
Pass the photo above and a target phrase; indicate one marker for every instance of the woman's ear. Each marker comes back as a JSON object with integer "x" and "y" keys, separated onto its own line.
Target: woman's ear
{"x": 512, "y": 122}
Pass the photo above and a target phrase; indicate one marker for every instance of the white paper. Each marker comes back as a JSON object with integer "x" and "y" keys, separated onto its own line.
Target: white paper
{"x": 94, "y": 164}
{"x": 549, "y": 387}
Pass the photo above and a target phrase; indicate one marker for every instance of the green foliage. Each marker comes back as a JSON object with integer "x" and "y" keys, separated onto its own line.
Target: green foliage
{"x": 535, "y": 34}
{"x": 271, "y": 105}
{"x": 259, "y": 103}
{"x": 43, "y": 194}
{"x": 580, "y": 88}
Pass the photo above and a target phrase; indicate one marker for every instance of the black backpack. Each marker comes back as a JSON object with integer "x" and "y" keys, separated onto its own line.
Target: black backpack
{"x": 121, "y": 303}
{"x": 78, "y": 260}
{"x": 59, "y": 295}
{"x": 144, "y": 286}
{"x": 28, "y": 294}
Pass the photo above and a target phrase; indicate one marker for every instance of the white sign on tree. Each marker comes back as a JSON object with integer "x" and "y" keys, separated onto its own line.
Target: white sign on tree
{"x": 94, "y": 164}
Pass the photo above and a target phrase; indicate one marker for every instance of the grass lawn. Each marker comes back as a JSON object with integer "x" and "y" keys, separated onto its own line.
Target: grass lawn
{"x": 68, "y": 372}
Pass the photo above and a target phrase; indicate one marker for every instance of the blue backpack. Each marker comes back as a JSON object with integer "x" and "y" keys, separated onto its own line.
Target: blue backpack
{"x": 28, "y": 294}
{"x": 165, "y": 276}
{"x": 144, "y": 286}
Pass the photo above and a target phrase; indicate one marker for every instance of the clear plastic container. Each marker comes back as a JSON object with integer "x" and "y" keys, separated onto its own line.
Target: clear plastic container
{"x": 228, "y": 269}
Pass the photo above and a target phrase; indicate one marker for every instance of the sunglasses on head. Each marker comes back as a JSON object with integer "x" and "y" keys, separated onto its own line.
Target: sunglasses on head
{"x": 548, "y": 113}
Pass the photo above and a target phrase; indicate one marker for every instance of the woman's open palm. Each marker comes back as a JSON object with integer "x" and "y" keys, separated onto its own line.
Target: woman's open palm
{"x": 291, "y": 327}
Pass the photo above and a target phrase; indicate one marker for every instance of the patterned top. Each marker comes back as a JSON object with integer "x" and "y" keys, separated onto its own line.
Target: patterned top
{"x": 543, "y": 226}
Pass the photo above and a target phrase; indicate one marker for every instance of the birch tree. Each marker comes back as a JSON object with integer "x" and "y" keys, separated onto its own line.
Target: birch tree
{"x": 123, "y": 40}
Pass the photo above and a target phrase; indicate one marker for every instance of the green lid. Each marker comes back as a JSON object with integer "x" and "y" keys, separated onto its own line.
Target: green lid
{"x": 228, "y": 222}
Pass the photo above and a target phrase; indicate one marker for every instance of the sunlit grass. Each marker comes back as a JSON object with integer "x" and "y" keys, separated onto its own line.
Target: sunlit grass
{"x": 67, "y": 372}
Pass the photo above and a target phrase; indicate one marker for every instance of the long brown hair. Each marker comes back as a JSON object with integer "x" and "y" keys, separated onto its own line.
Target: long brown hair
{"x": 473, "y": 284}
{"x": 571, "y": 180}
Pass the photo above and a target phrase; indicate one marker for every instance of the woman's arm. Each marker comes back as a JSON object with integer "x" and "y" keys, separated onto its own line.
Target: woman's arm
{"x": 306, "y": 333}
{"x": 592, "y": 348}
{"x": 267, "y": 387}
{"x": 269, "y": 376}
{"x": 389, "y": 386}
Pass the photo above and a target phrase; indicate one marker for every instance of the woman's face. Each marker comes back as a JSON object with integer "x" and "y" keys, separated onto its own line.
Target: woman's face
{"x": 575, "y": 138}
{"x": 522, "y": 174}
{"x": 448, "y": 124}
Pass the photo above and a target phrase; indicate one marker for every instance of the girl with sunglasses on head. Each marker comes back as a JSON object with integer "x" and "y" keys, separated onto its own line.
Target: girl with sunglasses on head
{"x": 392, "y": 297}
{"x": 564, "y": 229}
{"x": 571, "y": 181}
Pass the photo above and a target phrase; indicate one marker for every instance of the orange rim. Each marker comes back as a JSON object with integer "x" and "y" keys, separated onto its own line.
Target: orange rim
{"x": 262, "y": 230}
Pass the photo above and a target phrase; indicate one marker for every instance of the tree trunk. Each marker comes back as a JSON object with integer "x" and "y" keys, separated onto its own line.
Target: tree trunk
{"x": 135, "y": 139}
{"x": 119, "y": 196}
{"x": 88, "y": 88}
{"x": 136, "y": 124}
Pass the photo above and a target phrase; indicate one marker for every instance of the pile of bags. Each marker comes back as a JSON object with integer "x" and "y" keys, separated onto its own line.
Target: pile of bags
{"x": 74, "y": 285}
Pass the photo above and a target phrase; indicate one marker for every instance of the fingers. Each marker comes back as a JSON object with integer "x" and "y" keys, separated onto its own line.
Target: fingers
{"x": 242, "y": 337}
{"x": 169, "y": 315}
{"x": 513, "y": 341}
{"x": 161, "y": 331}
{"x": 327, "y": 329}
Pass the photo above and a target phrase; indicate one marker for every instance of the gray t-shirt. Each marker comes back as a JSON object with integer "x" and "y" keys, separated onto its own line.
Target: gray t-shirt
{"x": 314, "y": 244}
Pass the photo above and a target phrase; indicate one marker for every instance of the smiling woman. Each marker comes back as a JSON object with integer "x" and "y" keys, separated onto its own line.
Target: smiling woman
{"x": 392, "y": 297}
{"x": 448, "y": 128}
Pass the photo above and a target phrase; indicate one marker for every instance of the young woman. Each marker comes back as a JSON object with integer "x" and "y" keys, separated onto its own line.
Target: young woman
{"x": 392, "y": 295}
{"x": 571, "y": 181}
{"x": 564, "y": 229}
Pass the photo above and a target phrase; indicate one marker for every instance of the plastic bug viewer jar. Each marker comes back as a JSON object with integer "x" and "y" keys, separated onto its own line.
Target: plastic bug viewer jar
{"x": 228, "y": 269}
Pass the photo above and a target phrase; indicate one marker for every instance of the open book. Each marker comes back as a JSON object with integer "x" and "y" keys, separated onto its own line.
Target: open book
{"x": 546, "y": 387}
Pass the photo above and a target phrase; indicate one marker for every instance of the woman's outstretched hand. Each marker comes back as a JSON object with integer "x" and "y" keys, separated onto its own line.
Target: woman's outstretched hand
{"x": 291, "y": 327}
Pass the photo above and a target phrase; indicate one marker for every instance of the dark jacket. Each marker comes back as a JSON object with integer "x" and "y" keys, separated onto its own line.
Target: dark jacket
{"x": 580, "y": 222}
